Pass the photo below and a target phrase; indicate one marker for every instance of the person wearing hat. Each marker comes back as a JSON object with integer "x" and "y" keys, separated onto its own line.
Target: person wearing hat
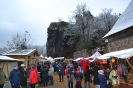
{"x": 2, "y": 78}
{"x": 78, "y": 75}
{"x": 22, "y": 74}
{"x": 61, "y": 73}
{"x": 102, "y": 79}
{"x": 33, "y": 76}
{"x": 15, "y": 77}
{"x": 70, "y": 76}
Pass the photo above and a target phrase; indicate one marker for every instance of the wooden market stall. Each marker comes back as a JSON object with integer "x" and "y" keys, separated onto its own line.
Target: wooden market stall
{"x": 118, "y": 58}
{"x": 7, "y": 63}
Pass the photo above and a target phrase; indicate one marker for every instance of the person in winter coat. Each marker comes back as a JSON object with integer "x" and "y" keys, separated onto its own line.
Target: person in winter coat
{"x": 2, "y": 78}
{"x": 78, "y": 75}
{"x": 15, "y": 77}
{"x": 70, "y": 77}
{"x": 22, "y": 74}
{"x": 87, "y": 75}
{"x": 61, "y": 73}
{"x": 107, "y": 72}
{"x": 124, "y": 71}
{"x": 95, "y": 74}
{"x": 33, "y": 77}
{"x": 115, "y": 78}
{"x": 102, "y": 79}
{"x": 27, "y": 76}
{"x": 50, "y": 74}
{"x": 44, "y": 73}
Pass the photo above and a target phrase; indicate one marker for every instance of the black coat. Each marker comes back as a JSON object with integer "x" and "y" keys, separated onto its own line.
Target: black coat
{"x": 95, "y": 73}
{"x": 27, "y": 72}
{"x": 44, "y": 72}
{"x": 87, "y": 74}
{"x": 78, "y": 76}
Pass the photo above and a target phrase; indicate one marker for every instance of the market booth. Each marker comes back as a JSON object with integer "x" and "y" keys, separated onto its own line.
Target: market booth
{"x": 119, "y": 58}
{"x": 7, "y": 64}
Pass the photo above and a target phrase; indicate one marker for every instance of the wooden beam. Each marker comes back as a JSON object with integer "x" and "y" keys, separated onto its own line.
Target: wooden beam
{"x": 129, "y": 63}
{"x": 3, "y": 65}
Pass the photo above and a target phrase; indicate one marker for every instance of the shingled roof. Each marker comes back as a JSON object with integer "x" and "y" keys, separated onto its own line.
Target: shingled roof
{"x": 125, "y": 21}
{"x": 19, "y": 52}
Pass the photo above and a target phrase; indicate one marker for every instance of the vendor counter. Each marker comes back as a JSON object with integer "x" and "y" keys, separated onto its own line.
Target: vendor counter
{"x": 124, "y": 85}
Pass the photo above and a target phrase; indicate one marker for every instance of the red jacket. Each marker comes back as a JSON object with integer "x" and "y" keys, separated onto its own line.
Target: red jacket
{"x": 33, "y": 78}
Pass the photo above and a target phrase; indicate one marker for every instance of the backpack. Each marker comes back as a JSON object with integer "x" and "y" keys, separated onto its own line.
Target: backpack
{"x": 115, "y": 78}
{"x": 66, "y": 71}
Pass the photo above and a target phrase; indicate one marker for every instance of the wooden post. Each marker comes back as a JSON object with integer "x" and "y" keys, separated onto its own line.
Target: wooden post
{"x": 3, "y": 65}
{"x": 7, "y": 68}
{"x": 129, "y": 63}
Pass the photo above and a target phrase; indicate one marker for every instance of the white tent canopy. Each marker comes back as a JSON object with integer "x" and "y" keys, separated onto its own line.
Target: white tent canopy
{"x": 78, "y": 59}
{"x": 123, "y": 54}
{"x": 41, "y": 56}
{"x": 94, "y": 56}
{"x": 103, "y": 57}
{"x": 58, "y": 58}
{"x": 6, "y": 58}
{"x": 49, "y": 58}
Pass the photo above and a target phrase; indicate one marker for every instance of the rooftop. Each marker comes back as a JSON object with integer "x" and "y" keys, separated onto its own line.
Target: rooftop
{"x": 125, "y": 21}
{"x": 19, "y": 52}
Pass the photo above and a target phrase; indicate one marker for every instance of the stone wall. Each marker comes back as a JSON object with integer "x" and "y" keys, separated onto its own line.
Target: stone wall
{"x": 120, "y": 44}
{"x": 120, "y": 41}
{"x": 81, "y": 53}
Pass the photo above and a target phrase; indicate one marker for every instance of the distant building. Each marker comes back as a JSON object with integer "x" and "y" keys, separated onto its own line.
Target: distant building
{"x": 27, "y": 55}
{"x": 121, "y": 35}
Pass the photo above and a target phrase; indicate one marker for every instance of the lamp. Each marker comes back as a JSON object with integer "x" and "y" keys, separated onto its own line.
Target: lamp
{"x": 113, "y": 60}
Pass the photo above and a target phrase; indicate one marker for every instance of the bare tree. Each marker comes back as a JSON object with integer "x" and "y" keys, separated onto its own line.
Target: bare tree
{"x": 59, "y": 19}
{"x": 82, "y": 16}
{"x": 20, "y": 41}
{"x": 107, "y": 18}
{"x": 102, "y": 24}
{"x": 40, "y": 48}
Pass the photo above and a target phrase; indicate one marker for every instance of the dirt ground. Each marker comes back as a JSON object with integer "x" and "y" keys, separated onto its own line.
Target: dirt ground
{"x": 63, "y": 84}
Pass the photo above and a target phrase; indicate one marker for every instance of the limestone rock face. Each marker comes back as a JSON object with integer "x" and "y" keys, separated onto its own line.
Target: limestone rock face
{"x": 61, "y": 41}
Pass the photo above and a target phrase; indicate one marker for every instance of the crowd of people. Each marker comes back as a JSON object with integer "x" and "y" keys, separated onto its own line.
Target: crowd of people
{"x": 102, "y": 78}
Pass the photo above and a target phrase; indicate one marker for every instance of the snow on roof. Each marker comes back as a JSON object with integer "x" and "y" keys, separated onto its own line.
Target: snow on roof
{"x": 125, "y": 21}
{"x": 123, "y": 54}
{"x": 57, "y": 58}
{"x": 19, "y": 52}
{"x": 6, "y": 58}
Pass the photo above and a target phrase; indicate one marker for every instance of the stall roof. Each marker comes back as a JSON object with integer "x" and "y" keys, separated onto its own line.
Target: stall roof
{"x": 6, "y": 58}
{"x": 19, "y": 52}
{"x": 125, "y": 21}
{"x": 49, "y": 58}
{"x": 123, "y": 54}
{"x": 57, "y": 58}
{"x": 78, "y": 59}
{"x": 94, "y": 56}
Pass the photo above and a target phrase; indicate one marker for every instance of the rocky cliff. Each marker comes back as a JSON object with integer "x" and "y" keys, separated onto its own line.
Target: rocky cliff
{"x": 62, "y": 40}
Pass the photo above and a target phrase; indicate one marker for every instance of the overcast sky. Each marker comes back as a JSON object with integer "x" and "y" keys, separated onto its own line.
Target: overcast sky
{"x": 35, "y": 16}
